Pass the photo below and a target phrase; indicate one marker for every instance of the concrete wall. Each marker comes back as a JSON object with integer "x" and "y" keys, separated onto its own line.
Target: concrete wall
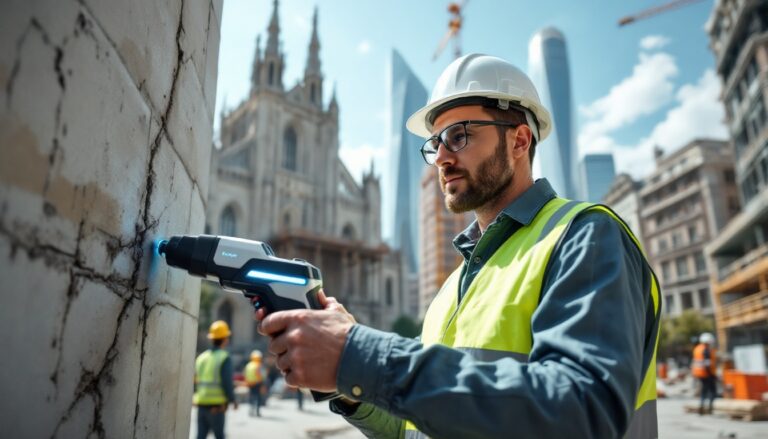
{"x": 106, "y": 111}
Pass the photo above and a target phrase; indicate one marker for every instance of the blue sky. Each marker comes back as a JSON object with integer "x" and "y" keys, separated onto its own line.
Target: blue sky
{"x": 648, "y": 83}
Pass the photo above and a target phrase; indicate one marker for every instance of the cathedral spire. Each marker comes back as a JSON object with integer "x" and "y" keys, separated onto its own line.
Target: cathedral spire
{"x": 256, "y": 68}
{"x": 313, "y": 78}
{"x": 313, "y": 58}
{"x": 273, "y": 38}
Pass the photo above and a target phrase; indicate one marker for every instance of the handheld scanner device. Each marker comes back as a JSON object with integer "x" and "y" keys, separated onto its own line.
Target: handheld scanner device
{"x": 250, "y": 267}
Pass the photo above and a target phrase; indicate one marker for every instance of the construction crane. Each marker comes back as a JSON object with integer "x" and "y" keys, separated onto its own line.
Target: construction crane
{"x": 454, "y": 28}
{"x": 655, "y": 10}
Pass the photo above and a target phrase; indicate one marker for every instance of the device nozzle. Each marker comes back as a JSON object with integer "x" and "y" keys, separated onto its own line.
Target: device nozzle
{"x": 161, "y": 247}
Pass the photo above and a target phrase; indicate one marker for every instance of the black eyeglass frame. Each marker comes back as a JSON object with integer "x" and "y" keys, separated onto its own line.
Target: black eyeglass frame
{"x": 439, "y": 137}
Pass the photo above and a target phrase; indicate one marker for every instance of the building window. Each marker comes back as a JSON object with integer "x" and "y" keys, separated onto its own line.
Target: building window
{"x": 666, "y": 272}
{"x": 729, "y": 176}
{"x": 287, "y": 220}
{"x": 693, "y": 234}
{"x": 704, "y": 298}
{"x": 681, "y": 264}
{"x": 677, "y": 240}
{"x": 701, "y": 263}
{"x": 662, "y": 245}
{"x": 227, "y": 222}
{"x": 686, "y": 300}
{"x": 670, "y": 299}
{"x": 225, "y": 312}
{"x": 388, "y": 292}
{"x": 312, "y": 93}
{"x": 348, "y": 232}
{"x": 289, "y": 149}
{"x": 271, "y": 78}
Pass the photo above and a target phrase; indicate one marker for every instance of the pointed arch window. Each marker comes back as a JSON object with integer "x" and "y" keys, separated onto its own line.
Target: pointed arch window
{"x": 312, "y": 94}
{"x": 228, "y": 222}
{"x": 225, "y": 312}
{"x": 289, "y": 149}
{"x": 271, "y": 77}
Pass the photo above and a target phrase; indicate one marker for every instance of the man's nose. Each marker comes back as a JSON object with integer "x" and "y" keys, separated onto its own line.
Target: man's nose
{"x": 444, "y": 157}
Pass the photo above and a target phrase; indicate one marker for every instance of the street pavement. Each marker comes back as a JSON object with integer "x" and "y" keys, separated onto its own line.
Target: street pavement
{"x": 281, "y": 419}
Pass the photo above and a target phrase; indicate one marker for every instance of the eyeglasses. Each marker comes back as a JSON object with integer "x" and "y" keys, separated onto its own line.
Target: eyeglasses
{"x": 455, "y": 138}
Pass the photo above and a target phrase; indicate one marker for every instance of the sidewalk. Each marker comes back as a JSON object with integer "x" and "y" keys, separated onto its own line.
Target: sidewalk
{"x": 282, "y": 419}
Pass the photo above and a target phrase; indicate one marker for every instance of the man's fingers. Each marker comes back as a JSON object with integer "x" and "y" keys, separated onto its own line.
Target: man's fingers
{"x": 276, "y": 322}
{"x": 322, "y": 298}
{"x": 283, "y": 362}
{"x": 278, "y": 345}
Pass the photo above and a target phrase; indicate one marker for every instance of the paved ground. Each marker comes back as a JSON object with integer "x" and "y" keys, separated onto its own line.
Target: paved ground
{"x": 281, "y": 419}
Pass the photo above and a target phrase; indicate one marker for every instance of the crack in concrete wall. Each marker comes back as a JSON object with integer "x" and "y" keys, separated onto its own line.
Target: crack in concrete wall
{"x": 28, "y": 241}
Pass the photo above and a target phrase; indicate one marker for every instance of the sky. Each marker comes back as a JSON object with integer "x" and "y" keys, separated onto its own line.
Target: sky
{"x": 645, "y": 84}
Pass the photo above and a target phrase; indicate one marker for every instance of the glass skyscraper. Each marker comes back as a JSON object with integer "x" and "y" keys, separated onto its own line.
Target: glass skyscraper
{"x": 401, "y": 194}
{"x": 597, "y": 174}
{"x": 548, "y": 68}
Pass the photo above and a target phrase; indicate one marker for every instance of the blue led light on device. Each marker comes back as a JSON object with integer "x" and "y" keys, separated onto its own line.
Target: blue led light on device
{"x": 277, "y": 277}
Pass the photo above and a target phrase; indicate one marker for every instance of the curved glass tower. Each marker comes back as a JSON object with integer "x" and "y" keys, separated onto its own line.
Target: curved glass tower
{"x": 549, "y": 71}
{"x": 401, "y": 197}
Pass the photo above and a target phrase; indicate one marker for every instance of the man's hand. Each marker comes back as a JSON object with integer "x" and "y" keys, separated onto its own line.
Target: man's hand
{"x": 308, "y": 343}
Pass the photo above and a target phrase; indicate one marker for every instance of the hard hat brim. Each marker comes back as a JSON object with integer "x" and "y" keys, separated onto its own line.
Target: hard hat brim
{"x": 418, "y": 124}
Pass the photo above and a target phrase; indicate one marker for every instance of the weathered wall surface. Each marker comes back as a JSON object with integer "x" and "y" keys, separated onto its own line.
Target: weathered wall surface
{"x": 106, "y": 111}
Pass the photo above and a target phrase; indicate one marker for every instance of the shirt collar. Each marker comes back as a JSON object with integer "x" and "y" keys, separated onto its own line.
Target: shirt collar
{"x": 522, "y": 209}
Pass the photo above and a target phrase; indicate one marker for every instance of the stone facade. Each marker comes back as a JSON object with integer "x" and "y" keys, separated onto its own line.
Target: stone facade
{"x": 106, "y": 112}
{"x": 278, "y": 178}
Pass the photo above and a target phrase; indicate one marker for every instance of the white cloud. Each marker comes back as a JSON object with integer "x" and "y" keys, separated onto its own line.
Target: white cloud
{"x": 698, "y": 113}
{"x": 358, "y": 159}
{"x": 648, "y": 89}
{"x": 364, "y": 47}
{"x": 652, "y": 42}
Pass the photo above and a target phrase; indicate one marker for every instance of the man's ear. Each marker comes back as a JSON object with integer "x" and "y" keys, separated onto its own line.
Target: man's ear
{"x": 520, "y": 138}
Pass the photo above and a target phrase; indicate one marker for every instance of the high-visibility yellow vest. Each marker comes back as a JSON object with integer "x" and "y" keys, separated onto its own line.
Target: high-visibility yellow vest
{"x": 253, "y": 374}
{"x": 209, "y": 390}
{"x": 493, "y": 319}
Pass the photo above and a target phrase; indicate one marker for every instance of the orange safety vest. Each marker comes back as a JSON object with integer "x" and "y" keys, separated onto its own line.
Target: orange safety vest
{"x": 702, "y": 366}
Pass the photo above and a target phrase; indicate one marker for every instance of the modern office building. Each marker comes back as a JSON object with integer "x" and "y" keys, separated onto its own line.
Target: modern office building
{"x": 738, "y": 31}
{"x": 549, "y": 71}
{"x": 278, "y": 178}
{"x": 401, "y": 190}
{"x": 623, "y": 197}
{"x": 437, "y": 256}
{"x": 686, "y": 202}
{"x": 597, "y": 174}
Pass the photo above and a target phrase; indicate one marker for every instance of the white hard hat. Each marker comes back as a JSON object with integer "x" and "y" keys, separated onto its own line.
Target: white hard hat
{"x": 482, "y": 76}
{"x": 707, "y": 338}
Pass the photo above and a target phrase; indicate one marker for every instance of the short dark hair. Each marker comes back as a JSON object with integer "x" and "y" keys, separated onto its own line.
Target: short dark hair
{"x": 218, "y": 341}
{"x": 515, "y": 116}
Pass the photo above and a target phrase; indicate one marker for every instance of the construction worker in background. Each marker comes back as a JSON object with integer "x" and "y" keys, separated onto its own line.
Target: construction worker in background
{"x": 549, "y": 327}
{"x": 214, "y": 389}
{"x": 703, "y": 368}
{"x": 254, "y": 378}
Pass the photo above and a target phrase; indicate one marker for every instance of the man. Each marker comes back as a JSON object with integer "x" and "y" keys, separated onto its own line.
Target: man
{"x": 254, "y": 378}
{"x": 547, "y": 330}
{"x": 703, "y": 368}
{"x": 214, "y": 390}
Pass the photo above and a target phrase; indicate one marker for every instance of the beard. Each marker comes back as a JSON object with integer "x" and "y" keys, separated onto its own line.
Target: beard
{"x": 493, "y": 176}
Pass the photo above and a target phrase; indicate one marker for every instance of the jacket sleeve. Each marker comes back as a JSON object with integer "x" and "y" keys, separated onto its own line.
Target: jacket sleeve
{"x": 226, "y": 379}
{"x": 583, "y": 372}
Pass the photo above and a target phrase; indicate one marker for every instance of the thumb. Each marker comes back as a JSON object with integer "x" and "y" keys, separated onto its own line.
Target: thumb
{"x": 322, "y": 298}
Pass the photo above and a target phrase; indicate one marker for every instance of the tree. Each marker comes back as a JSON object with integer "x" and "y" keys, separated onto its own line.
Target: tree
{"x": 406, "y": 327}
{"x": 678, "y": 333}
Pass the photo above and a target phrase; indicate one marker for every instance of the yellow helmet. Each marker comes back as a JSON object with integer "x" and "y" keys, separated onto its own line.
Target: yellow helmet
{"x": 219, "y": 329}
{"x": 256, "y": 355}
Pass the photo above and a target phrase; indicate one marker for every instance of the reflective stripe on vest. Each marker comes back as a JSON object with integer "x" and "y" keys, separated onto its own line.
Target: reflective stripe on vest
{"x": 498, "y": 325}
{"x": 208, "y": 378}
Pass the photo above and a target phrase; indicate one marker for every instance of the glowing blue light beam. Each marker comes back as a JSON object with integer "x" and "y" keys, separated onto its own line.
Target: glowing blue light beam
{"x": 277, "y": 277}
